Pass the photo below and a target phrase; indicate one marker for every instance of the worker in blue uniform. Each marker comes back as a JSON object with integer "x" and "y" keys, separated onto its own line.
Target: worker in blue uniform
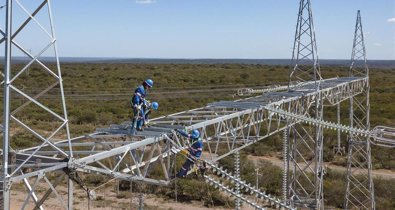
{"x": 194, "y": 151}
{"x": 138, "y": 101}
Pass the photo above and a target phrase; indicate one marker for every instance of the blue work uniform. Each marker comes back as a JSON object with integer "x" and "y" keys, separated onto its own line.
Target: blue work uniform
{"x": 137, "y": 100}
{"x": 195, "y": 151}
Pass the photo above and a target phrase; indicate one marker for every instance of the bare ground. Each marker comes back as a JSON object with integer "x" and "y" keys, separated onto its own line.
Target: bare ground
{"x": 107, "y": 199}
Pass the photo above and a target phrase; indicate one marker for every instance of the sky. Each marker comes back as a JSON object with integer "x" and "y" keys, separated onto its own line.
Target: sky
{"x": 247, "y": 29}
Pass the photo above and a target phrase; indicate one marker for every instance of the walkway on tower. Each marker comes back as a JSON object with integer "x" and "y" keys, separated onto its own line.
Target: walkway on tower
{"x": 226, "y": 126}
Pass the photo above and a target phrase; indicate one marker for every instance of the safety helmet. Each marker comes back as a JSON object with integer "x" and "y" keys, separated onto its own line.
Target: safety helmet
{"x": 149, "y": 83}
{"x": 195, "y": 134}
{"x": 155, "y": 105}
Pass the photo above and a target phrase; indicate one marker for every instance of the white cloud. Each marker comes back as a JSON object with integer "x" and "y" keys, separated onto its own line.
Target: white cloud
{"x": 145, "y": 1}
{"x": 391, "y": 20}
{"x": 378, "y": 44}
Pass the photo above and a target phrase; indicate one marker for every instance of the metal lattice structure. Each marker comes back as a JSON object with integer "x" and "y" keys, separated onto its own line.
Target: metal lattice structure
{"x": 360, "y": 190}
{"x": 226, "y": 127}
{"x": 17, "y": 102}
{"x": 304, "y": 56}
{"x": 305, "y": 143}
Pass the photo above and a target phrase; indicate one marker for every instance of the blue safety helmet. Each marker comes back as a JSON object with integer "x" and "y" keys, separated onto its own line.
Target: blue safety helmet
{"x": 149, "y": 83}
{"x": 155, "y": 105}
{"x": 195, "y": 134}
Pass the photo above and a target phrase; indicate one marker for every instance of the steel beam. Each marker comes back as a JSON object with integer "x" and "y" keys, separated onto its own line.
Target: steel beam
{"x": 5, "y": 193}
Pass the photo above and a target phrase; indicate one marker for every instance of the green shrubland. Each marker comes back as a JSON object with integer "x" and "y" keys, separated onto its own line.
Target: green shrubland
{"x": 98, "y": 95}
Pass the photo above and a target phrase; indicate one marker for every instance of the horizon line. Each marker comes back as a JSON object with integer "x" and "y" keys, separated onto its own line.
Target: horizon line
{"x": 202, "y": 58}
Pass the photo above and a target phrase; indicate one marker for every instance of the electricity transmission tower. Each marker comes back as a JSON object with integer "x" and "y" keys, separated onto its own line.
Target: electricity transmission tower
{"x": 304, "y": 143}
{"x": 360, "y": 191}
{"x": 21, "y": 95}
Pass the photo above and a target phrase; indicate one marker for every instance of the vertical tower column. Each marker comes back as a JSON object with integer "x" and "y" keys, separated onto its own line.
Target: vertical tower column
{"x": 359, "y": 186}
{"x": 338, "y": 149}
{"x": 305, "y": 187}
{"x": 6, "y": 109}
{"x": 41, "y": 120}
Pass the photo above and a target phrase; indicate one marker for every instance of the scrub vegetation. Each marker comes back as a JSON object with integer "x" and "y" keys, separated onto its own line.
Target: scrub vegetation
{"x": 98, "y": 95}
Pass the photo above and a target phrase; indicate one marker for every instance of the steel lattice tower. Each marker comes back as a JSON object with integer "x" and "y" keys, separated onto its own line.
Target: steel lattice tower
{"x": 360, "y": 191}
{"x": 304, "y": 185}
{"x": 21, "y": 95}
{"x": 304, "y": 56}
